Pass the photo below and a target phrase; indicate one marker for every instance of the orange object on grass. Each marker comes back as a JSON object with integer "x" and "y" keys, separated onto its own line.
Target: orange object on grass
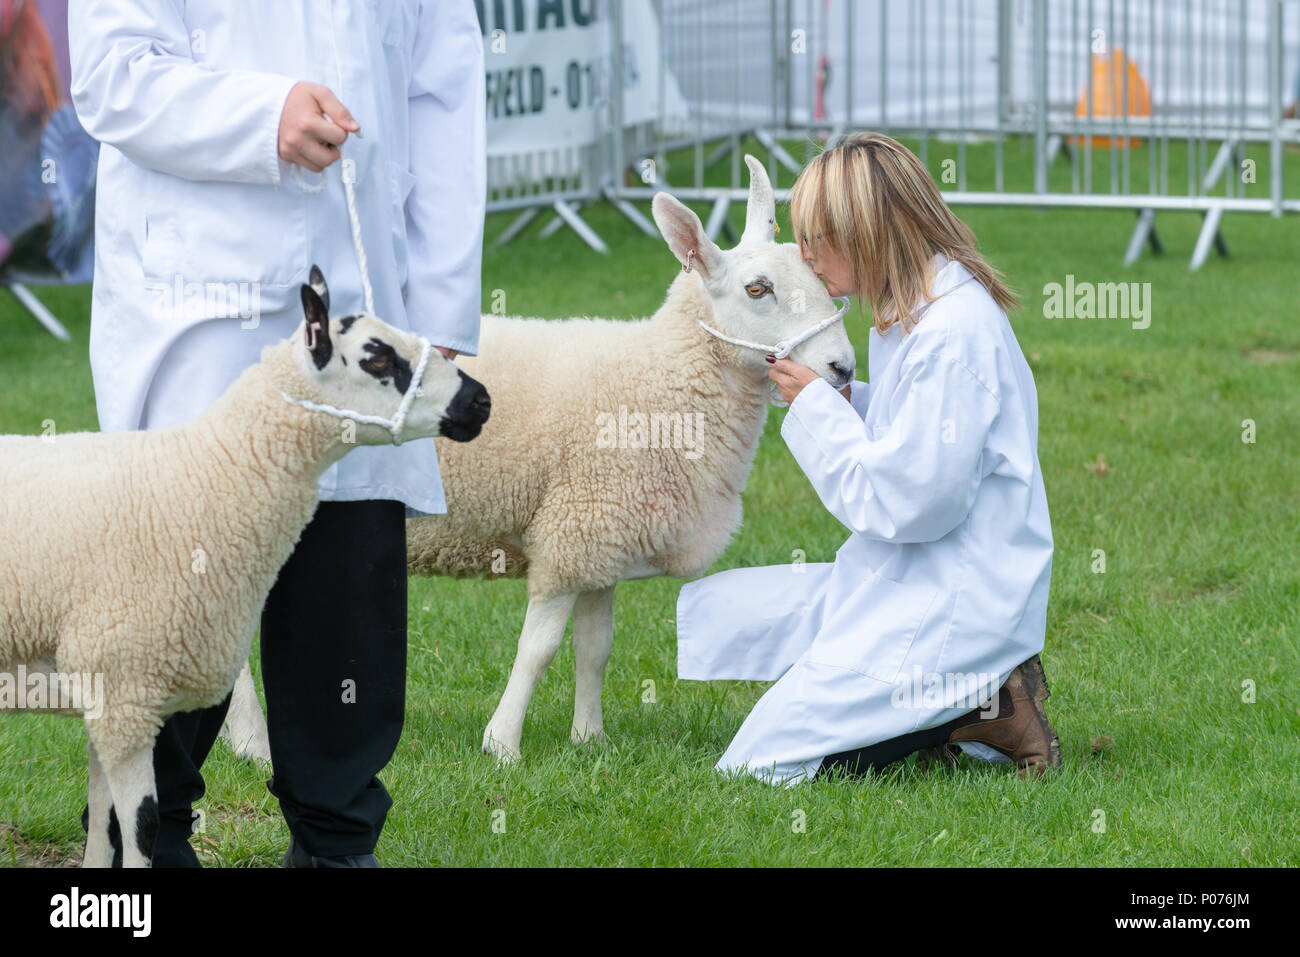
{"x": 1108, "y": 71}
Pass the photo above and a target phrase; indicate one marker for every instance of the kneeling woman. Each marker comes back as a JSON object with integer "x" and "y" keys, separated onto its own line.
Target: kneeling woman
{"x": 924, "y": 632}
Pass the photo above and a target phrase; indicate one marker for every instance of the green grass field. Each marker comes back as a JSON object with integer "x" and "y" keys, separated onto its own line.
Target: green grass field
{"x": 1152, "y": 663}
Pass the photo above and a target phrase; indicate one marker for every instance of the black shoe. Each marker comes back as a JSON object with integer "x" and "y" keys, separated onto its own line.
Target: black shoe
{"x": 295, "y": 856}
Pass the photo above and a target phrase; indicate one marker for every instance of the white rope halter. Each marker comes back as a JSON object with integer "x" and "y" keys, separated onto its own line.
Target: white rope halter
{"x": 393, "y": 425}
{"x": 783, "y": 348}
{"x": 347, "y": 168}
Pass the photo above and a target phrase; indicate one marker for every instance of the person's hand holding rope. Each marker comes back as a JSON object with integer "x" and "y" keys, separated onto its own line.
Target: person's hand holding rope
{"x": 314, "y": 124}
{"x": 307, "y": 137}
{"x": 790, "y": 377}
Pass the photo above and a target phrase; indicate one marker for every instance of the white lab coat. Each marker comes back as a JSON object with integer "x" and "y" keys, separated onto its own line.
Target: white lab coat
{"x": 941, "y": 588}
{"x": 186, "y": 99}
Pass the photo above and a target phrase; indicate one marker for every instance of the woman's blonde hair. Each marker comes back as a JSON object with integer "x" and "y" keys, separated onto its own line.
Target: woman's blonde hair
{"x": 873, "y": 202}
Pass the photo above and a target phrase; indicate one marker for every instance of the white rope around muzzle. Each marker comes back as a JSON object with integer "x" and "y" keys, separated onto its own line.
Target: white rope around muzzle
{"x": 393, "y": 425}
{"x": 783, "y": 348}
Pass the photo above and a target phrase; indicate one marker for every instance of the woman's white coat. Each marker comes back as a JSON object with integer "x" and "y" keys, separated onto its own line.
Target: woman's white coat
{"x": 940, "y": 590}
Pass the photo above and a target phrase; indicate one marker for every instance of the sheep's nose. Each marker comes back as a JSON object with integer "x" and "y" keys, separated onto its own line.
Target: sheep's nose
{"x": 841, "y": 370}
{"x": 482, "y": 403}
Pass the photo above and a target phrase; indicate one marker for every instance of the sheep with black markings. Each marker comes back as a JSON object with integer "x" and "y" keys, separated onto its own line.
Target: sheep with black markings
{"x": 144, "y": 558}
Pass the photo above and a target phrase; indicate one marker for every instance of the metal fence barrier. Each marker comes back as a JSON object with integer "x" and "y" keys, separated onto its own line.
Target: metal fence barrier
{"x": 1150, "y": 105}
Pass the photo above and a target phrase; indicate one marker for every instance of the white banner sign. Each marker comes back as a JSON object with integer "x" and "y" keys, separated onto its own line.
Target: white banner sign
{"x": 548, "y": 69}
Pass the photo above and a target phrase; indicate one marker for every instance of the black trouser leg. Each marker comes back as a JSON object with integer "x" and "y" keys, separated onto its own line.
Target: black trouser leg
{"x": 178, "y": 756}
{"x": 876, "y": 756}
{"x": 181, "y": 748}
{"x": 334, "y": 670}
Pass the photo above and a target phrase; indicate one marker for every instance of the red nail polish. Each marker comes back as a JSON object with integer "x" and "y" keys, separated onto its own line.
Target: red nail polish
{"x": 770, "y": 359}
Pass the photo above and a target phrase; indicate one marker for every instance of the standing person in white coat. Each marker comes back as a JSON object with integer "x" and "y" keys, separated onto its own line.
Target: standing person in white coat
{"x": 204, "y": 233}
{"x": 924, "y": 632}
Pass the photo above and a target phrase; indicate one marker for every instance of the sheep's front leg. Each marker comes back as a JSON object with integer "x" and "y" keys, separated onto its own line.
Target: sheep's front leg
{"x": 543, "y": 630}
{"x": 99, "y": 846}
{"x": 135, "y": 796}
{"x": 245, "y": 725}
{"x": 593, "y": 637}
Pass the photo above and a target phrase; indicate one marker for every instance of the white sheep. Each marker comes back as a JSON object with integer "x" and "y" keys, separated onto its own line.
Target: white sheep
{"x": 144, "y": 558}
{"x": 568, "y": 487}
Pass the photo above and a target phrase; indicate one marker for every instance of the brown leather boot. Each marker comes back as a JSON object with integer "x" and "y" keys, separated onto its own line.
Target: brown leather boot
{"x": 1021, "y": 730}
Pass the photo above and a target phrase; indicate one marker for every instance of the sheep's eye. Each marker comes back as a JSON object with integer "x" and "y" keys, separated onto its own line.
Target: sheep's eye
{"x": 757, "y": 290}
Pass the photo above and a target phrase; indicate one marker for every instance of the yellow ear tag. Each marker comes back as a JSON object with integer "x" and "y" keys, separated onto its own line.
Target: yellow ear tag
{"x": 776, "y": 229}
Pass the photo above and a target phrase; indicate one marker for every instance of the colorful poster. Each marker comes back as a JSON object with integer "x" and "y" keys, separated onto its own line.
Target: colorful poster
{"x": 47, "y": 161}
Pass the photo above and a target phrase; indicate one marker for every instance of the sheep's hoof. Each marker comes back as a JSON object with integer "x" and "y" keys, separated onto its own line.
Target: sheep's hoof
{"x": 251, "y": 747}
{"x": 588, "y": 735}
{"x": 503, "y": 753}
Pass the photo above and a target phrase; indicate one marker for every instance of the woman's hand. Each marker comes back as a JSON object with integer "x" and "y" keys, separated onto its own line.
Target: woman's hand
{"x": 790, "y": 378}
{"x": 308, "y": 138}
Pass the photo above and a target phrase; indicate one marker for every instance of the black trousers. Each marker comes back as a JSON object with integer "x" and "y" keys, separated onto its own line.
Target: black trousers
{"x": 334, "y": 670}
{"x": 874, "y": 757}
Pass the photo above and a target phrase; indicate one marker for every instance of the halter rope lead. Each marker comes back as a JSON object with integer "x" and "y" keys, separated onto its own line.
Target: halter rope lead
{"x": 394, "y": 425}
{"x": 785, "y": 346}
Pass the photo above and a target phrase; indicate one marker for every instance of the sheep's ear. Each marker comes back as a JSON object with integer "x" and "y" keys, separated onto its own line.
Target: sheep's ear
{"x": 760, "y": 216}
{"x": 686, "y": 237}
{"x": 316, "y": 327}
{"x": 317, "y": 280}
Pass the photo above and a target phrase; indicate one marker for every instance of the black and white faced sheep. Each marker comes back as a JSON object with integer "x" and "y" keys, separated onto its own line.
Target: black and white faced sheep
{"x": 138, "y": 562}
{"x": 619, "y": 449}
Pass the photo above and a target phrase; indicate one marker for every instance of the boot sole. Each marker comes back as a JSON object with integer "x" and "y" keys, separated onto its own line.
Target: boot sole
{"x": 1039, "y": 692}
